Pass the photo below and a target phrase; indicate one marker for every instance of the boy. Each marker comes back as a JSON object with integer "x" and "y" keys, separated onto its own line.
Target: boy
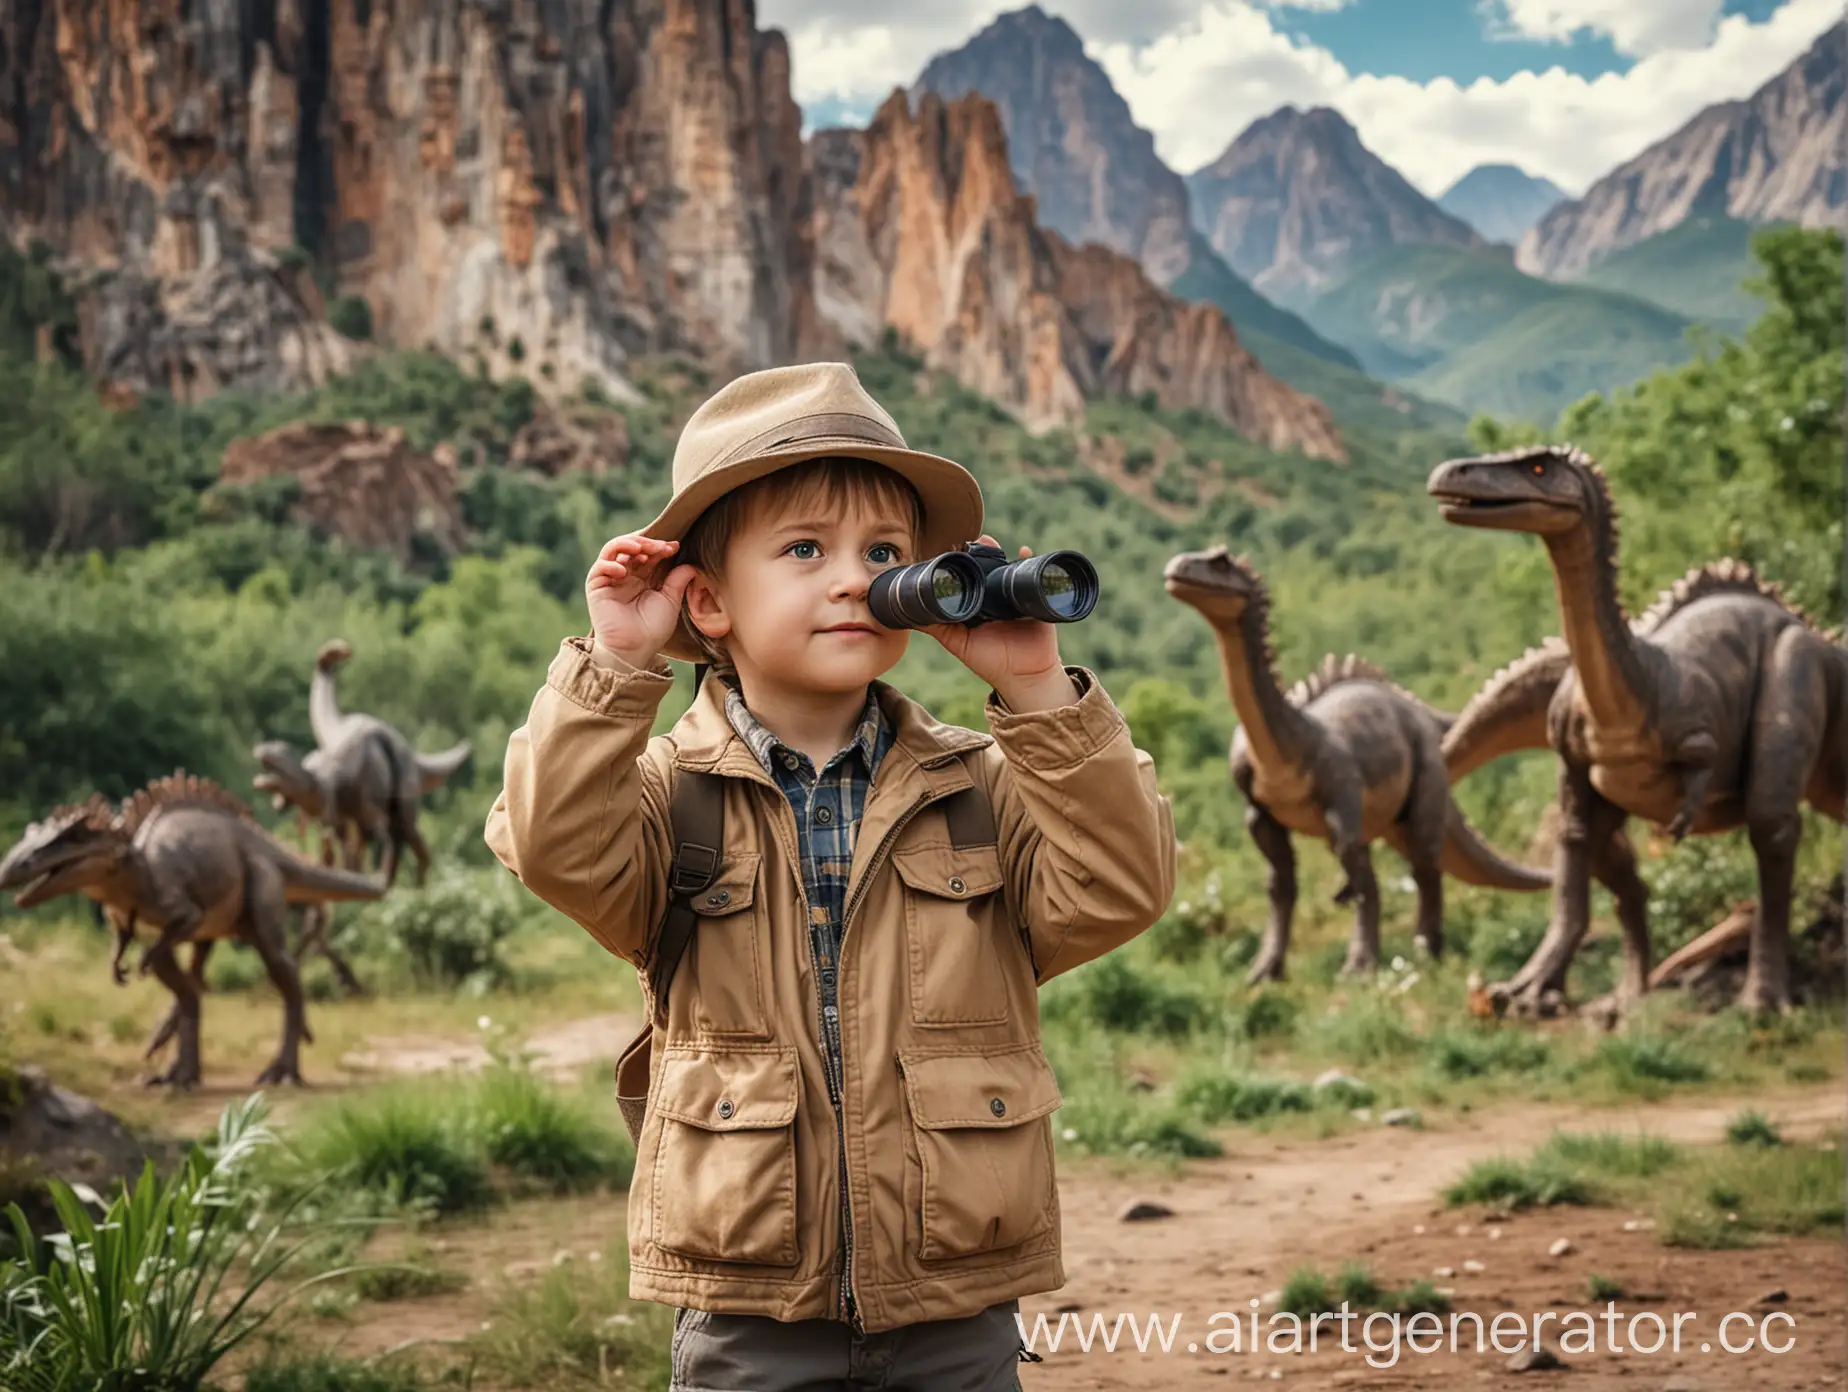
{"x": 845, "y": 1173}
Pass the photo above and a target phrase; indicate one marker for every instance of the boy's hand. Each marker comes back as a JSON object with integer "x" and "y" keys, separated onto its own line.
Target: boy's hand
{"x": 630, "y": 614}
{"x": 1019, "y": 658}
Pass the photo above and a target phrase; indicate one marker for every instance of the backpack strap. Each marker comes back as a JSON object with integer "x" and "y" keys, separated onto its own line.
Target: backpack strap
{"x": 697, "y": 815}
{"x": 971, "y": 818}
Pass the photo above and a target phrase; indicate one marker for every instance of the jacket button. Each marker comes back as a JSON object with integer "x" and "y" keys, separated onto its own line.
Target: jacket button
{"x": 956, "y": 884}
{"x": 824, "y": 814}
{"x": 725, "y": 1108}
{"x": 997, "y": 1106}
{"x": 722, "y": 897}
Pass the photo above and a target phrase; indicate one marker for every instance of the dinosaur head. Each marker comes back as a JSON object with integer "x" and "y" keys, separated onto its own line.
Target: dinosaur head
{"x": 1217, "y": 583}
{"x": 286, "y": 777}
{"x": 70, "y": 848}
{"x": 333, "y": 652}
{"x": 1544, "y": 489}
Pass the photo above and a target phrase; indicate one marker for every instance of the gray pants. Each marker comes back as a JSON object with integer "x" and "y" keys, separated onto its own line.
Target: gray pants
{"x": 754, "y": 1353}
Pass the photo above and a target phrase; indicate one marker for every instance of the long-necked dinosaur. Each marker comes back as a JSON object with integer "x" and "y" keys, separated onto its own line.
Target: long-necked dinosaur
{"x": 1721, "y": 707}
{"x": 363, "y": 782}
{"x": 187, "y": 858}
{"x": 1346, "y": 755}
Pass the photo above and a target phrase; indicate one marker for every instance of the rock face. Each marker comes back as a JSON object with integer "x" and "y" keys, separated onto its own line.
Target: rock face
{"x": 1071, "y": 139}
{"x": 919, "y": 228}
{"x": 1501, "y": 201}
{"x": 1296, "y": 200}
{"x": 360, "y": 482}
{"x": 548, "y": 183}
{"x": 1777, "y": 156}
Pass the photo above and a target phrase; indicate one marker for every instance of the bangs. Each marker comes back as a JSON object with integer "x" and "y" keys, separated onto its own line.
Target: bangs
{"x": 841, "y": 487}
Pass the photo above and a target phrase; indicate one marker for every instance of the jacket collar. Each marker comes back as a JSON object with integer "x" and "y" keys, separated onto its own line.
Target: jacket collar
{"x": 705, "y": 740}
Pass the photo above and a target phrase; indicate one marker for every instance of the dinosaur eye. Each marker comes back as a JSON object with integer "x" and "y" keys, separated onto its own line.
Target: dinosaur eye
{"x": 1539, "y": 468}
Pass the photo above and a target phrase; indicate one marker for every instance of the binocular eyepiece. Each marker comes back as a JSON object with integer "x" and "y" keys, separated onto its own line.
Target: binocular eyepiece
{"x": 978, "y": 584}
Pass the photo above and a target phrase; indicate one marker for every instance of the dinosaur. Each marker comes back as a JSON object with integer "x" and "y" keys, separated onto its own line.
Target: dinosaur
{"x": 1508, "y": 712}
{"x": 1721, "y": 707}
{"x": 1344, "y": 754}
{"x": 362, "y": 782}
{"x": 187, "y": 858}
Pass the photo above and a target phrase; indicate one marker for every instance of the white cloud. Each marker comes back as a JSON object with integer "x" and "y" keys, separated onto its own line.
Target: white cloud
{"x": 1197, "y": 72}
{"x": 1634, "y": 27}
{"x": 1231, "y": 67}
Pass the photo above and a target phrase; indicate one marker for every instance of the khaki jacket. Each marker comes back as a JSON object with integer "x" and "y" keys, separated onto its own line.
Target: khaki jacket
{"x": 735, "y": 1202}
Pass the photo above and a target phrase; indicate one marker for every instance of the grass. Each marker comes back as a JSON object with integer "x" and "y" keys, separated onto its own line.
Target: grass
{"x": 463, "y": 1147}
{"x": 1308, "y": 1291}
{"x": 575, "y": 1327}
{"x": 1701, "y": 1196}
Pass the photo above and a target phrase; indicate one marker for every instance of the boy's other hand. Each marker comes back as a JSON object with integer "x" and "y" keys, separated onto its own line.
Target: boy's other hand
{"x": 1019, "y": 658}
{"x": 633, "y": 609}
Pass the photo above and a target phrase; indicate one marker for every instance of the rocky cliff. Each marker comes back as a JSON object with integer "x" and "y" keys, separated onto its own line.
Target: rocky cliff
{"x": 551, "y": 184}
{"x": 1777, "y": 156}
{"x": 919, "y": 227}
{"x": 1296, "y": 200}
{"x": 1071, "y": 139}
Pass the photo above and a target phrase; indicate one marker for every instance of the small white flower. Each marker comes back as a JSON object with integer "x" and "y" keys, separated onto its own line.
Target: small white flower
{"x": 1069, "y": 1133}
{"x": 1786, "y": 424}
{"x": 482, "y": 1022}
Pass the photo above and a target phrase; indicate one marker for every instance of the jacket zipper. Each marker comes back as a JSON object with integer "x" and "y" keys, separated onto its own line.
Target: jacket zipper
{"x": 848, "y": 1304}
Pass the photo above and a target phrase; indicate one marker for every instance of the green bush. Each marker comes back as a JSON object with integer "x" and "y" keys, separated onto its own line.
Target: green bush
{"x": 407, "y": 1146}
{"x": 448, "y": 933}
{"x": 548, "y": 1136}
{"x": 351, "y": 316}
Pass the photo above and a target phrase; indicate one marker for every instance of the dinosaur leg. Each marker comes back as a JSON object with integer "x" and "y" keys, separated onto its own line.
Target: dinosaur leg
{"x": 1273, "y": 842}
{"x": 1341, "y": 814}
{"x": 1364, "y": 950}
{"x": 177, "y": 929}
{"x": 184, "y": 1020}
{"x": 1427, "y": 824}
{"x": 315, "y": 921}
{"x": 419, "y": 848}
{"x": 1613, "y": 862}
{"x": 125, "y": 934}
{"x": 267, "y": 915}
{"x": 1585, "y": 819}
{"x": 201, "y": 950}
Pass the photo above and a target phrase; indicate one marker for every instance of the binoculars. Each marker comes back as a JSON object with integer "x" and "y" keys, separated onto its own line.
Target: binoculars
{"x": 978, "y": 584}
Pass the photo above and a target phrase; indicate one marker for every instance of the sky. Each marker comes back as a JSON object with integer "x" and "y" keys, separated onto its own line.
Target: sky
{"x": 1566, "y": 89}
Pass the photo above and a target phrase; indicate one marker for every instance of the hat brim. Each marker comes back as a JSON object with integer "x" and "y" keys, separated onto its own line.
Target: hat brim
{"x": 950, "y": 496}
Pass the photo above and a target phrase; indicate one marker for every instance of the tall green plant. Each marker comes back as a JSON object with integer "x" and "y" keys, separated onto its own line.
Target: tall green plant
{"x": 154, "y": 1295}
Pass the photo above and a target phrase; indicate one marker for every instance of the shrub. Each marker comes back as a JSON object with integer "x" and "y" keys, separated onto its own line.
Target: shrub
{"x": 547, "y": 1135}
{"x": 1752, "y": 1128}
{"x": 351, "y": 317}
{"x": 449, "y": 932}
{"x": 405, "y": 1147}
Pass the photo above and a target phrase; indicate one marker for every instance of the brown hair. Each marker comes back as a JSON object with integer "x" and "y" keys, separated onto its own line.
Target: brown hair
{"x": 835, "y": 483}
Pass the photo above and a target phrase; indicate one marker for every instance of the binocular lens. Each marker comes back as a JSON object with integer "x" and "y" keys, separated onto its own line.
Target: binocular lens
{"x": 945, "y": 589}
{"x": 1059, "y": 587}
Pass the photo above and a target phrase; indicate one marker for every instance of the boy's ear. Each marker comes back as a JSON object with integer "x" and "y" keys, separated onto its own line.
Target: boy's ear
{"x": 706, "y": 607}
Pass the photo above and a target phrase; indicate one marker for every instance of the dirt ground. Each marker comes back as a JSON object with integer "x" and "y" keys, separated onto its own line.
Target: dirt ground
{"x": 1242, "y": 1222}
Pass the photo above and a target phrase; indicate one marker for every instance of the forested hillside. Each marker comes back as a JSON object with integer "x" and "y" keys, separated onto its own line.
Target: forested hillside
{"x": 157, "y": 618}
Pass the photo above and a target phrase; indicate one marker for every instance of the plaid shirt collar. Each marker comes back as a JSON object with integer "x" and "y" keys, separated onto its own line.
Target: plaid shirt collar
{"x": 872, "y": 736}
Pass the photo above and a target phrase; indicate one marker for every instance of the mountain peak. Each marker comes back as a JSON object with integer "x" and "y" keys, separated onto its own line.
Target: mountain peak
{"x": 1501, "y": 201}
{"x": 1774, "y": 157}
{"x": 1071, "y": 138}
{"x": 1298, "y": 198}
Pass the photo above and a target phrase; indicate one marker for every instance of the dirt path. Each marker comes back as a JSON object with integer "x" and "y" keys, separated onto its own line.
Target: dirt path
{"x": 1243, "y": 1222}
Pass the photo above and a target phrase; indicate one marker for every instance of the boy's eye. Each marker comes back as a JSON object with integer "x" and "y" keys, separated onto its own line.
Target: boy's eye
{"x": 796, "y": 548}
{"x": 883, "y": 554}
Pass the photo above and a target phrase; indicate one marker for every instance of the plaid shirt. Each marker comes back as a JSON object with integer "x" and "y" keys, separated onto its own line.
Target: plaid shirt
{"x": 827, "y": 807}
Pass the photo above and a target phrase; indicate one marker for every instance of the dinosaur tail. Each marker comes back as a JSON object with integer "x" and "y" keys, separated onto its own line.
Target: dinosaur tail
{"x": 1472, "y": 860}
{"x": 1509, "y": 712}
{"x": 307, "y": 883}
{"x": 434, "y": 768}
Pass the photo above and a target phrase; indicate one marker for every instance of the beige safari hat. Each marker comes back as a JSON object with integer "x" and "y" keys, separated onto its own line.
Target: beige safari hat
{"x": 764, "y": 421}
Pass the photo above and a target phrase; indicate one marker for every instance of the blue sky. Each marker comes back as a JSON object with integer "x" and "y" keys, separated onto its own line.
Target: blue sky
{"x": 1564, "y": 88}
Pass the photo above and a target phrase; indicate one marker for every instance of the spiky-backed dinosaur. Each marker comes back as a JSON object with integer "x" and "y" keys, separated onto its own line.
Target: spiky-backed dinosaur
{"x": 183, "y": 856}
{"x": 1721, "y": 707}
{"x": 1344, "y": 754}
{"x": 362, "y": 782}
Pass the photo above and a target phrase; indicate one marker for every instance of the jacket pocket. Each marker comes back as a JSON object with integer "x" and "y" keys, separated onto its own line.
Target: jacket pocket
{"x": 724, "y": 1177}
{"x": 726, "y": 958}
{"x": 984, "y": 1146}
{"x": 956, "y": 922}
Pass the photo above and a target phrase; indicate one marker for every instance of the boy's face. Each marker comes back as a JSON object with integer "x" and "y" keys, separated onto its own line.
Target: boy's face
{"x": 791, "y": 605}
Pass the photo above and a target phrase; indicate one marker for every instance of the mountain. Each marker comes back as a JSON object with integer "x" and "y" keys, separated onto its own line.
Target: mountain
{"x": 548, "y": 191}
{"x": 920, "y": 230}
{"x": 1296, "y": 200}
{"x": 1500, "y": 201}
{"x": 1777, "y": 156}
{"x": 1071, "y": 139}
{"x": 1696, "y": 269}
{"x": 1465, "y": 327}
